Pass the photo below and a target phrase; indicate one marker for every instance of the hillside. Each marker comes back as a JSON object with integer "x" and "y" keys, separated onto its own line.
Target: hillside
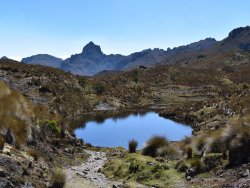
{"x": 207, "y": 99}
{"x": 43, "y": 59}
{"x": 208, "y": 88}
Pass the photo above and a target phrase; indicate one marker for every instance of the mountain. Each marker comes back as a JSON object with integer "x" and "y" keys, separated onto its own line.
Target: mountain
{"x": 207, "y": 53}
{"x": 4, "y": 57}
{"x": 43, "y": 59}
{"x": 91, "y": 61}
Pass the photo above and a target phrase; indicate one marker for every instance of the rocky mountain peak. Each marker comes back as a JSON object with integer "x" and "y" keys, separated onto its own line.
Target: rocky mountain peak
{"x": 234, "y": 33}
{"x": 92, "y": 50}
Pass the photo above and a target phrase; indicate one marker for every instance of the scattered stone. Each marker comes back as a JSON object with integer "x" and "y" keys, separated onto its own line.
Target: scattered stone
{"x": 244, "y": 174}
{"x": 188, "y": 178}
{"x": 149, "y": 163}
{"x": 190, "y": 172}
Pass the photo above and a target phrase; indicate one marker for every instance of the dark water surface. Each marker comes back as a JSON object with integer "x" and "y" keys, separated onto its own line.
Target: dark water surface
{"x": 114, "y": 132}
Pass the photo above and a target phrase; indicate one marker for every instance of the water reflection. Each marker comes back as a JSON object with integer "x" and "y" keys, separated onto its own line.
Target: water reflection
{"x": 112, "y": 129}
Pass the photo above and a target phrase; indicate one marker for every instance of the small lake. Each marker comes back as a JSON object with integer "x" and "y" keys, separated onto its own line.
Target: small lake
{"x": 114, "y": 132}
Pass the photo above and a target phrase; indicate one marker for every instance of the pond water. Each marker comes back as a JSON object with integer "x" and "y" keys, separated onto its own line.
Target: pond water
{"x": 114, "y": 132}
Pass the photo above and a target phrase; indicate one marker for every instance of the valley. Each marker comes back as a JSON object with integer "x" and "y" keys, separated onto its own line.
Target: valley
{"x": 205, "y": 85}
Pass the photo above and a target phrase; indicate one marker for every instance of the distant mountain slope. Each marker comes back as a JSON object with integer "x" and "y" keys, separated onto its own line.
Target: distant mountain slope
{"x": 43, "y": 59}
{"x": 4, "y": 57}
{"x": 91, "y": 61}
{"x": 202, "y": 54}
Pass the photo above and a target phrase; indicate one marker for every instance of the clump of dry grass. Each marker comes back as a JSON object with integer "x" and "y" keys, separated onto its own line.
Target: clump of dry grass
{"x": 2, "y": 142}
{"x": 167, "y": 151}
{"x": 58, "y": 178}
{"x": 153, "y": 145}
{"x": 17, "y": 115}
{"x": 132, "y": 145}
{"x": 236, "y": 139}
{"x": 189, "y": 151}
{"x": 34, "y": 153}
{"x": 14, "y": 114}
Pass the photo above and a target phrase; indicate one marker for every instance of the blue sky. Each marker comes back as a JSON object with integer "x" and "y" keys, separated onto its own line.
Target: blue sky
{"x": 63, "y": 27}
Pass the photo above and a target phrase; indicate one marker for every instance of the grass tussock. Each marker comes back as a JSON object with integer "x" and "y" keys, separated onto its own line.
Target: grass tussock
{"x": 15, "y": 115}
{"x": 2, "y": 142}
{"x": 236, "y": 139}
{"x": 189, "y": 151}
{"x": 153, "y": 145}
{"x": 168, "y": 152}
{"x": 58, "y": 178}
{"x": 132, "y": 145}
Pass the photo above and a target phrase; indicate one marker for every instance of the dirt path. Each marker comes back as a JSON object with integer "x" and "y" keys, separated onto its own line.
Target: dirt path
{"x": 87, "y": 175}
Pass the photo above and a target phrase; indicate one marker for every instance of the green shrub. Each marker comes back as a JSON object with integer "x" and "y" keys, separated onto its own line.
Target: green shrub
{"x": 58, "y": 178}
{"x": 52, "y": 126}
{"x": 134, "y": 167}
{"x": 99, "y": 88}
{"x": 212, "y": 160}
{"x": 132, "y": 145}
{"x": 153, "y": 145}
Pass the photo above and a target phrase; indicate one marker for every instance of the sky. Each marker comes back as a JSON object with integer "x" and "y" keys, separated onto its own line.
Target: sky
{"x": 62, "y": 27}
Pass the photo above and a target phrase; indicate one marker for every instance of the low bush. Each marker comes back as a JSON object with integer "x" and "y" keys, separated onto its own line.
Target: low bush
{"x": 52, "y": 126}
{"x": 132, "y": 145}
{"x": 212, "y": 160}
{"x": 153, "y": 145}
{"x": 181, "y": 166}
{"x": 58, "y": 178}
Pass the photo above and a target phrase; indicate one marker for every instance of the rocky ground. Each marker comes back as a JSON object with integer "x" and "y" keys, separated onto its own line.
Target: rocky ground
{"x": 88, "y": 174}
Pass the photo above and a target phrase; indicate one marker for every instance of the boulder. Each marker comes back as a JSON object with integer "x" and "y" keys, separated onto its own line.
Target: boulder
{"x": 191, "y": 172}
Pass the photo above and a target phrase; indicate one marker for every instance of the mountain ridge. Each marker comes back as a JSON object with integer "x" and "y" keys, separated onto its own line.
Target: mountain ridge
{"x": 92, "y": 60}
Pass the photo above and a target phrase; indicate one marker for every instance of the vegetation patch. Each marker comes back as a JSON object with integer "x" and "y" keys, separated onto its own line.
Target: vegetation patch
{"x": 142, "y": 169}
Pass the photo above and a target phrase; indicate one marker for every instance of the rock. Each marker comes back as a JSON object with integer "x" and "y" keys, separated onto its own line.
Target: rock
{"x": 2, "y": 172}
{"x": 190, "y": 172}
{"x": 149, "y": 163}
{"x": 66, "y": 150}
{"x": 244, "y": 174}
{"x": 188, "y": 178}
{"x": 9, "y": 137}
